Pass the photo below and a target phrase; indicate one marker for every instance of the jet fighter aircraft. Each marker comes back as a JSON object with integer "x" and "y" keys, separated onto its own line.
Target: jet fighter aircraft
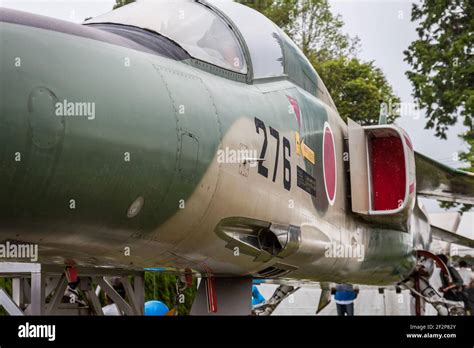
{"x": 197, "y": 137}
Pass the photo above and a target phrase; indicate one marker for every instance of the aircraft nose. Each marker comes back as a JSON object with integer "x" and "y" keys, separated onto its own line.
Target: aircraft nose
{"x": 87, "y": 129}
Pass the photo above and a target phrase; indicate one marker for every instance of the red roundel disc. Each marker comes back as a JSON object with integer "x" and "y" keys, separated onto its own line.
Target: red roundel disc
{"x": 329, "y": 164}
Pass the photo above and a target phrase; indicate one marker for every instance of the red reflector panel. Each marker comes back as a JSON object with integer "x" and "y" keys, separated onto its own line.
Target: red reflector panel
{"x": 388, "y": 173}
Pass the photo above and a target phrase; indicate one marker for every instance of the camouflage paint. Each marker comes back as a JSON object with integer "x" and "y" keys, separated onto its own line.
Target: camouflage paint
{"x": 172, "y": 161}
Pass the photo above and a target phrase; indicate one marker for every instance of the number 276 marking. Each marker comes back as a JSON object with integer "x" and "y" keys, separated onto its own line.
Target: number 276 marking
{"x": 262, "y": 170}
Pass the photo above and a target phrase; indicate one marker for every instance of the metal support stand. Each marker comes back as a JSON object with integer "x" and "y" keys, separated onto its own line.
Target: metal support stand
{"x": 39, "y": 289}
{"x": 234, "y": 296}
{"x": 211, "y": 295}
{"x": 266, "y": 308}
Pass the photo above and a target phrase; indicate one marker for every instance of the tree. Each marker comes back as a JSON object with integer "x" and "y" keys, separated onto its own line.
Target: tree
{"x": 312, "y": 25}
{"x": 442, "y": 69}
{"x": 162, "y": 286}
{"x": 359, "y": 90}
{"x": 282, "y": 12}
{"x": 6, "y": 284}
{"x": 120, "y": 3}
{"x": 442, "y": 62}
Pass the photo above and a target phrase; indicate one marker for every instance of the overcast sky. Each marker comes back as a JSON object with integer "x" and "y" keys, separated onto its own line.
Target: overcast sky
{"x": 383, "y": 26}
{"x": 385, "y": 30}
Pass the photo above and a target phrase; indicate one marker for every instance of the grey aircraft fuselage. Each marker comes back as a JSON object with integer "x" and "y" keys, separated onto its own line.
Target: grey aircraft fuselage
{"x": 152, "y": 164}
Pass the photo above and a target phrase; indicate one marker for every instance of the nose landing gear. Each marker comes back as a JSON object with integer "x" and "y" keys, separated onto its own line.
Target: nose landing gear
{"x": 420, "y": 288}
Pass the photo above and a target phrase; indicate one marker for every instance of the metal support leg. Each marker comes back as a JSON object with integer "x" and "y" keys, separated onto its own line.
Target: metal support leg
{"x": 118, "y": 300}
{"x": 139, "y": 285}
{"x": 131, "y": 295}
{"x": 33, "y": 283}
{"x": 7, "y": 303}
{"x": 266, "y": 308}
{"x": 18, "y": 292}
{"x": 26, "y": 290}
{"x": 37, "y": 294}
{"x": 91, "y": 296}
{"x": 58, "y": 295}
{"x": 51, "y": 285}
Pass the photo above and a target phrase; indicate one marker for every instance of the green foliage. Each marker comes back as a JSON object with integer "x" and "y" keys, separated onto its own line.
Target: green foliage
{"x": 120, "y": 3}
{"x": 162, "y": 286}
{"x": 442, "y": 69}
{"x": 282, "y": 13}
{"x": 6, "y": 284}
{"x": 468, "y": 157}
{"x": 312, "y": 25}
{"x": 442, "y": 62}
{"x": 358, "y": 89}
{"x": 462, "y": 208}
{"x": 158, "y": 286}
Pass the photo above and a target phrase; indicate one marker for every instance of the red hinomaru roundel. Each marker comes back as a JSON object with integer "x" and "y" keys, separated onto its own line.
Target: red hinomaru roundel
{"x": 329, "y": 164}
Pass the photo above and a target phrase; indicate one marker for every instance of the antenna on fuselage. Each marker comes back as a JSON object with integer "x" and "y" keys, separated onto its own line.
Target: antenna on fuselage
{"x": 383, "y": 113}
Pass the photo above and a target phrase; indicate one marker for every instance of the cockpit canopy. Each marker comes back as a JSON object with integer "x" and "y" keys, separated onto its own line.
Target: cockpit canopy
{"x": 222, "y": 33}
{"x": 201, "y": 32}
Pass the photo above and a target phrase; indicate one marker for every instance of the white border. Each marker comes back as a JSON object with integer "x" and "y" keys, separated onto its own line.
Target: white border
{"x": 400, "y": 132}
{"x": 331, "y": 202}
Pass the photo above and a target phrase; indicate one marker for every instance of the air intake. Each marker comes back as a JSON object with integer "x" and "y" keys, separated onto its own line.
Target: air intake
{"x": 276, "y": 271}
